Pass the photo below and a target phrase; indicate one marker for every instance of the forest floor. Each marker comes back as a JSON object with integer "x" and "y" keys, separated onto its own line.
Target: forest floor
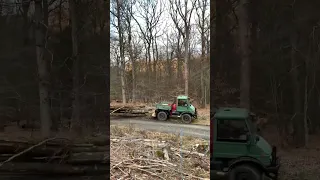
{"x": 297, "y": 163}
{"x": 137, "y": 153}
{"x": 203, "y": 116}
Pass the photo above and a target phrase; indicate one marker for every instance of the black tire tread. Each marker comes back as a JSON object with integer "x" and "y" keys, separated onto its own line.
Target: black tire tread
{"x": 162, "y": 112}
{"x": 257, "y": 174}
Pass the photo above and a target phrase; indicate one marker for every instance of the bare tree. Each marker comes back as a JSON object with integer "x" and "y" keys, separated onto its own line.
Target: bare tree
{"x": 155, "y": 47}
{"x": 118, "y": 13}
{"x": 150, "y": 13}
{"x": 42, "y": 70}
{"x": 128, "y": 17}
{"x": 244, "y": 51}
{"x": 76, "y": 124}
{"x": 201, "y": 10}
{"x": 183, "y": 11}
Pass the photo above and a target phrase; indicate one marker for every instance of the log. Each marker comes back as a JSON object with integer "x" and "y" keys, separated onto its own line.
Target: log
{"x": 129, "y": 110}
{"x": 73, "y": 153}
{"x": 54, "y": 169}
{"x": 88, "y": 158}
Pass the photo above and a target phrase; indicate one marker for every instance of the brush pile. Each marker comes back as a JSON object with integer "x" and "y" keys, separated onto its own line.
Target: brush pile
{"x": 152, "y": 155}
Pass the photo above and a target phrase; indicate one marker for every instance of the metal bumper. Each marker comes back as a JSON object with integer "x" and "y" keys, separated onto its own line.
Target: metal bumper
{"x": 273, "y": 169}
{"x": 195, "y": 114}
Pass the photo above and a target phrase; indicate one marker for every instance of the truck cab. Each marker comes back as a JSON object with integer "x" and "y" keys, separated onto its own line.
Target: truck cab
{"x": 184, "y": 110}
{"x": 238, "y": 152}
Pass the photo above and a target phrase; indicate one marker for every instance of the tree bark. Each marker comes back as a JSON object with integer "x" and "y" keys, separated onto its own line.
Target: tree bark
{"x": 76, "y": 122}
{"x": 245, "y": 60}
{"x": 133, "y": 64}
{"x": 297, "y": 119}
{"x": 42, "y": 72}
{"x": 122, "y": 60}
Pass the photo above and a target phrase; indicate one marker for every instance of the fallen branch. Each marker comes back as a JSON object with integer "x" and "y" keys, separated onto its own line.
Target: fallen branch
{"x": 117, "y": 109}
{"x": 25, "y": 151}
{"x": 186, "y": 152}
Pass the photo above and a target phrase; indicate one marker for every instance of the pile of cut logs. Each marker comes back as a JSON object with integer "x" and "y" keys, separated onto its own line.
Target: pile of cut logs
{"x": 58, "y": 157}
{"x": 131, "y": 111}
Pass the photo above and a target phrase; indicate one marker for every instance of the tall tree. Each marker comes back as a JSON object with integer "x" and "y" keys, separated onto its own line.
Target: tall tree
{"x": 128, "y": 16}
{"x": 42, "y": 69}
{"x": 183, "y": 11}
{"x": 147, "y": 20}
{"x": 201, "y": 10}
{"x": 76, "y": 121}
{"x": 244, "y": 54}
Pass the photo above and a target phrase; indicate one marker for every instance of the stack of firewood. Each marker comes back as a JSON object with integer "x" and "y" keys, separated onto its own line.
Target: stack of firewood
{"x": 54, "y": 157}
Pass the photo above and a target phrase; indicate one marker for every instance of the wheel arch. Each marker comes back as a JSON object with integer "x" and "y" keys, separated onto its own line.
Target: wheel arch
{"x": 186, "y": 113}
{"x": 162, "y": 110}
{"x": 246, "y": 160}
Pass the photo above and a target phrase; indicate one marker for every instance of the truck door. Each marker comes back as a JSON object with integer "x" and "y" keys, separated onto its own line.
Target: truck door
{"x": 182, "y": 105}
{"x": 231, "y": 138}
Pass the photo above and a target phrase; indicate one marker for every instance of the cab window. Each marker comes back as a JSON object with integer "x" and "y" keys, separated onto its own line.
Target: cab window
{"x": 182, "y": 102}
{"x": 232, "y": 130}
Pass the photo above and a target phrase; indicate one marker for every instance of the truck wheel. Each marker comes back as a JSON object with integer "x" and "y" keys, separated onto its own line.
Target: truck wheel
{"x": 162, "y": 116}
{"x": 186, "y": 118}
{"x": 245, "y": 172}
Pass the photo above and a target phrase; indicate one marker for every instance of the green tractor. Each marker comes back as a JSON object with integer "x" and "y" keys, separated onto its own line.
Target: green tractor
{"x": 181, "y": 108}
{"x": 238, "y": 152}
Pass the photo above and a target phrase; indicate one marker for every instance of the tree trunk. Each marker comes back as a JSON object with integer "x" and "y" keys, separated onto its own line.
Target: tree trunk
{"x": 203, "y": 56}
{"x": 245, "y": 60}
{"x": 76, "y": 122}
{"x": 179, "y": 71}
{"x": 133, "y": 64}
{"x": 154, "y": 65}
{"x": 186, "y": 63}
{"x": 169, "y": 58}
{"x": 297, "y": 119}
{"x": 122, "y": 60}
{"x": 25, "y": 9}
{"x": 43, "y": 72}
{"x": 60, "y": 15}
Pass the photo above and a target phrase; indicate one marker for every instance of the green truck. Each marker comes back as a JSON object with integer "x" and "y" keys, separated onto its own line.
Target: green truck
{"x": 181, "y": 108}
{"x": 237, "y": 151}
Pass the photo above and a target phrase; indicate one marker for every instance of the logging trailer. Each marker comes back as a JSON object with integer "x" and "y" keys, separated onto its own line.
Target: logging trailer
{"x": 237, "y": 151}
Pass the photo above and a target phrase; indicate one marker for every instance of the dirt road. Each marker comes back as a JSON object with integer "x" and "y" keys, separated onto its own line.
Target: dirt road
{"x": 166, "y": 127}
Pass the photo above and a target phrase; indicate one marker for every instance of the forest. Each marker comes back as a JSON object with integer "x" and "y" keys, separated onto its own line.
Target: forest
{"x": 53, "y": 64}
{"x": 267, "y": 60}
{"x": 160, "y": 49}
{"x": 54, "y": 88}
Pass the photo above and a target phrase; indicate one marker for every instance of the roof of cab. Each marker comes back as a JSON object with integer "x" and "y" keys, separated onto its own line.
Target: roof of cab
{"x": 182, "y": 97}
{"x": 232, "y": 113}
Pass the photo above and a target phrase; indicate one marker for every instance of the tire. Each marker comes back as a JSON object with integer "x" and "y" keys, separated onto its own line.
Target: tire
{"x": 245, "y": 172}
{"x": 186, "y": 118}
{"x": 162, "y": 116}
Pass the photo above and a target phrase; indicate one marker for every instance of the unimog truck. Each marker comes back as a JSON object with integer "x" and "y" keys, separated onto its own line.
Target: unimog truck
{"x": 181, "y": 108}
{"x": 237, "y": 151}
